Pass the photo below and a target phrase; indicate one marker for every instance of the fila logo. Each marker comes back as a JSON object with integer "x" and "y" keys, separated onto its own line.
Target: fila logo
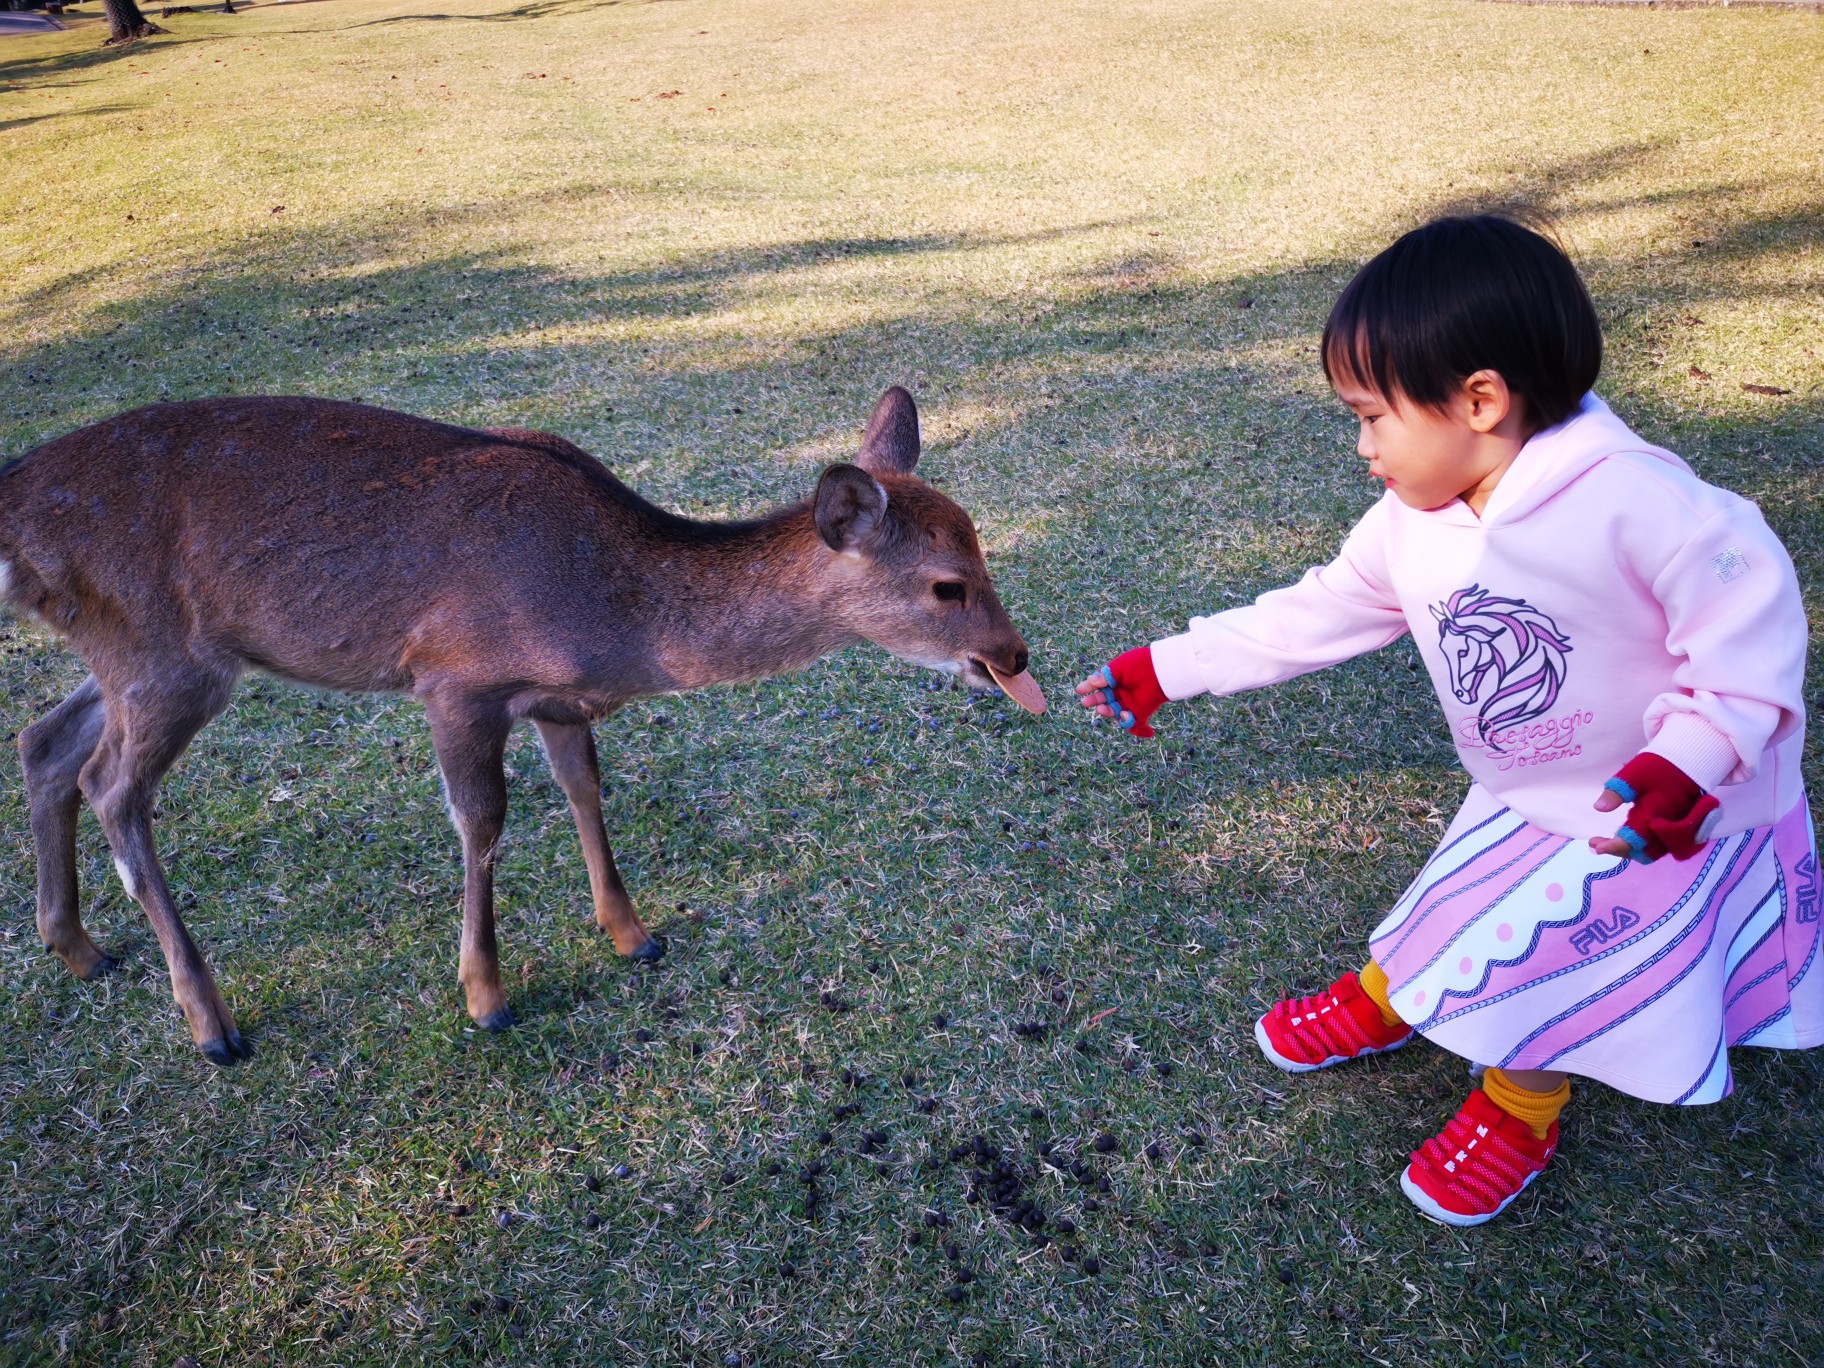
{"x": 1599, "y": 932}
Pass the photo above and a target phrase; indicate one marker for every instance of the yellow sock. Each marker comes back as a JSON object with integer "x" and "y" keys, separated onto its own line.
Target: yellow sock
{"x": 1537, "y": 1109}
{"x": 1374, "y": 983}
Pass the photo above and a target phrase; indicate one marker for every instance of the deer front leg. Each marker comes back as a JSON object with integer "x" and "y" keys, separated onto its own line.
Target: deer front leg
{"x": 52, "y": 752}
{"x": 570, "y": 747}
{"x": 143, "y": 734}
{"x": 471, "y": 740}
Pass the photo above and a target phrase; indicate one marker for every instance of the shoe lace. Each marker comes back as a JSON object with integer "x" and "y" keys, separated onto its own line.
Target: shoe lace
{"x": 1475, "y": 1157}
{"x": 1322, "y": 1020}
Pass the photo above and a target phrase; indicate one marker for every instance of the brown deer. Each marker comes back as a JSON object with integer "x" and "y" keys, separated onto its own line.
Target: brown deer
{"x": 495, "y": 575}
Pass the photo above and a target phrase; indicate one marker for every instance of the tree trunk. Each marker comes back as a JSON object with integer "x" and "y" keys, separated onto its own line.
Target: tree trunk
{"x": 125, "y": 22}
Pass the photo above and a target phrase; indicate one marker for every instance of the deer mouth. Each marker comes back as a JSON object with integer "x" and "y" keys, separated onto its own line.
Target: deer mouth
{"x": 976, "y": 674}
{"x": 1017, "y": 685}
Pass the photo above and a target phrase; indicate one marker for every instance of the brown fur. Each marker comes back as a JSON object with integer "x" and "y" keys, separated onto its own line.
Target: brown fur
{"x": 496, "y": 576}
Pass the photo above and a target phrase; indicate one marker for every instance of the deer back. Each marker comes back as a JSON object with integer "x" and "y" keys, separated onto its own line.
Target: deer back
{"x": 333, "y": 543}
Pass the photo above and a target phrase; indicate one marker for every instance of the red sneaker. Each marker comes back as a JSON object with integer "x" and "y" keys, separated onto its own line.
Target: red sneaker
{"x": 1481, "y": 1161}
{"x": 1342, "y": 1022}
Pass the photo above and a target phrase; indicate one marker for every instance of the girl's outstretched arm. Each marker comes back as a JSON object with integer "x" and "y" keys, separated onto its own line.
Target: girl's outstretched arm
{"x": 1337, "y": 611}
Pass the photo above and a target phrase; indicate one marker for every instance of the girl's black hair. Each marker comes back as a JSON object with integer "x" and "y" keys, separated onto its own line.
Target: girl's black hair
{"x": 1467, "y": 294}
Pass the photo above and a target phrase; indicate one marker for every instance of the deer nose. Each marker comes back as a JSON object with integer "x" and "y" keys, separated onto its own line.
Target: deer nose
{"x": 1020, "y": 660}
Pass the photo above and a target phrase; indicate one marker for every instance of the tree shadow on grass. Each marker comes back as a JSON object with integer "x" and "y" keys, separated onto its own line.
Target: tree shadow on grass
{"x": 543, "y": 9}
{"x": 35, "y": 69}
{"x": 7, "y": 124}
{"x": 475, "y": 314}
{"x": 24, "y": 69}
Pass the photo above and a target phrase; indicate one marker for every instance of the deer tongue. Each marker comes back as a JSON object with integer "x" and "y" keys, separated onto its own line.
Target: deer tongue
{"x": 1022, "y": 688}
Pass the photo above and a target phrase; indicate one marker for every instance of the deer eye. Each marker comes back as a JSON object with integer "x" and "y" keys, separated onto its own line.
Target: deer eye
{"x": 950, "y": 591}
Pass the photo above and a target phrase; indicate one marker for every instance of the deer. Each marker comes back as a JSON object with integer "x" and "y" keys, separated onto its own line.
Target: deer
{"x": 496, "y": 575}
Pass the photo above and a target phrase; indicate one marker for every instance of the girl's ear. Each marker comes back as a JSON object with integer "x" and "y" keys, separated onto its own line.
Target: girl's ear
{"x": 1485, "y": 400}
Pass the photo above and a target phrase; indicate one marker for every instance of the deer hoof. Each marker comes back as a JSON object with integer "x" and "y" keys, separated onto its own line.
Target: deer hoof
{"x": 227, "y": 1050}
{"x": 103, "y": 964}
{"x": 651, "y": 952}
{"x": 501, "y": 1019}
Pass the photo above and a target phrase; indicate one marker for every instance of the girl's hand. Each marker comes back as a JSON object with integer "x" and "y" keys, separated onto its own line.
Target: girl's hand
{"x": 1607, "y": 801}
{"x": 1092, "y": 693}
{"x": 1670, "y": 813}
{"x": 1133, "y": 686}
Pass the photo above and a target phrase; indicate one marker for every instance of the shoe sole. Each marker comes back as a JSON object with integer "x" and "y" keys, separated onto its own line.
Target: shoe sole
{"x": 1294, "y": 1066}
{"x": 1432, "y": 1211}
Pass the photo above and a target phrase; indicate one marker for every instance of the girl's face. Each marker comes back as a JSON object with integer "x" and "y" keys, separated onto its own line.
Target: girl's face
{"x": 1429, "y": 459}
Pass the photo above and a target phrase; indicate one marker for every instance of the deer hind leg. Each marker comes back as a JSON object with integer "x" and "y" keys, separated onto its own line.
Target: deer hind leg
{"x": 571, "y": 748}
{"x": 52, "y": 752}
{"x": 147, "y": 727}
{"x": 471, "y": 741}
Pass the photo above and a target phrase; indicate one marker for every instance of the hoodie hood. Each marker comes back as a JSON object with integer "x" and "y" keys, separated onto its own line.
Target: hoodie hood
{"x": 1554, "y": 459}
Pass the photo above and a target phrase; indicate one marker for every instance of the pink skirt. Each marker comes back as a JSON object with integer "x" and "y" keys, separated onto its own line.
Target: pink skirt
{"x": 1528, "y": 950}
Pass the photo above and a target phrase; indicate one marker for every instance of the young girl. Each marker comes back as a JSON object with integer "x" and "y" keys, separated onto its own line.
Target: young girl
{"x": 1603, "y": 629}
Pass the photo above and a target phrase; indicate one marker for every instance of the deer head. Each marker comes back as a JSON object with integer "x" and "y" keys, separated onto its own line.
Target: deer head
{"x": 915, "y": 583}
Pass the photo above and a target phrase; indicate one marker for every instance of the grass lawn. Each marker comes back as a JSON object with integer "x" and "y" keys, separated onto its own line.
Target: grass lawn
{"x": 699, "y": 237}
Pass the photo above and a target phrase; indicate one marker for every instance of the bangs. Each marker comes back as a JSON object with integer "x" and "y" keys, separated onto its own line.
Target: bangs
{"x": 1351, "y": 358}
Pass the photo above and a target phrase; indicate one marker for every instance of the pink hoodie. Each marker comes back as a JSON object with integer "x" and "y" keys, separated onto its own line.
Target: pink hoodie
{"x": 1607, "y": 601}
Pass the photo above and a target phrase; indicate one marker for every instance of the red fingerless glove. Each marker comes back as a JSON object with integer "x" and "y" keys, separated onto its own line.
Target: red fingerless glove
{"x": 1136, "y": 687}
{"x": 1669, "y": 813}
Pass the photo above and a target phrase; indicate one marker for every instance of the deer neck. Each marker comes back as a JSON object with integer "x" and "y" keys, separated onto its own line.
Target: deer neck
{"x": 743, "y": 601}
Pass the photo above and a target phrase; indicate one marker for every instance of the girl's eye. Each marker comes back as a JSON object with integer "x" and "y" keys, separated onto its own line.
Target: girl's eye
{"x": 950, "y": 591}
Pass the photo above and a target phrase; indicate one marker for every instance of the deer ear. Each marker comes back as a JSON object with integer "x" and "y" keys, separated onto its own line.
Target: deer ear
{"x": 848, "y": 506}
{"x": 891, "y": 441}
{"x": 1435, "y": 613}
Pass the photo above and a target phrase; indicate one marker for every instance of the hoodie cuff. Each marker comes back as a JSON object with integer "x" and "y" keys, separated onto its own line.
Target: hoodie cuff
{"x": 1175, "y": 663}
{"x": 1699, "y": 749}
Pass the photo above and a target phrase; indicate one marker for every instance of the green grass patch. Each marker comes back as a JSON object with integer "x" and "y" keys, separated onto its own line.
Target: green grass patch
{"x": 698, "y": 238}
